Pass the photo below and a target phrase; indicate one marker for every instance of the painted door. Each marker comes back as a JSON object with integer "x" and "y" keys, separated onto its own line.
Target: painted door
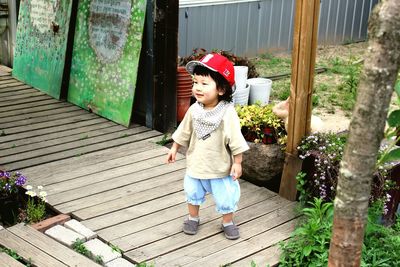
{"x": 107, "y": 44}
{"x": 41, "y": 42}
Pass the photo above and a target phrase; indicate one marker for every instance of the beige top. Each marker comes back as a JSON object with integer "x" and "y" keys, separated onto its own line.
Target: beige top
{"x": 212, "y": 157}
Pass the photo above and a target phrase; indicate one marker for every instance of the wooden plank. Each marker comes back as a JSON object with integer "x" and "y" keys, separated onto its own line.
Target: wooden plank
{"x": 54, "y": 169}
{"x": 275, "y": 215}
{"x": 13, "y": 98}
{"x": 8, "y": 81}
{"x": 49, "y": 119}
{"x": 97, "y": 173}
{"x": 142, "y": 209}
{"x": 25, "y": 119}
{"x": 162, "y": 216}
{"x": 5, "y": 69}
{"x": 11, "y": 84}
{"x": 15, "y": 88}
{"x": 8, "y": 261}
{"x": 266, "y": 257}
{"x": 41, "y": 141}
{"x": 50, "y": 246}
{"x": 47, "y": 124}
{"x": 23, "y": 91}
{"x": 27, "y": 251}
{"x": 52, "y": 105}
{"x": 51, "y": 131}
{"x": 20, "y": 107}
{"x": 76, "y": 152}
{"x": 257, "y": 200}
{"x": 252, "y": 245}
{"x": 85, "y": 208}
{"x": 100, "y": 130}
{"x": 5, "y": 77}
{"x": 11, "y": 105}
{"x": 76, "y": 144}
{"x": 207, "y": 230}
{"x": 103, "y": 181}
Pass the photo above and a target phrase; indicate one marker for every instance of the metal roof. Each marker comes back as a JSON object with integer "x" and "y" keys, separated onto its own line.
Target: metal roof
{"x": 195, "y": 3}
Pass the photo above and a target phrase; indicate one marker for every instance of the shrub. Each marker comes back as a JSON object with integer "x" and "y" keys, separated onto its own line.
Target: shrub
{"x": 260, "y": 125}
{"x": 198, "y": 53}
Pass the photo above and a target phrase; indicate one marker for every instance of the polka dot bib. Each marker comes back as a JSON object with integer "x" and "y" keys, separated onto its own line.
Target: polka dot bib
{"x": 207, "y": 121}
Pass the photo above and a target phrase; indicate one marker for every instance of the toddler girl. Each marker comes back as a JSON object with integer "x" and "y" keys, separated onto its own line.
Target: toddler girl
{"x": 211, "y": 132}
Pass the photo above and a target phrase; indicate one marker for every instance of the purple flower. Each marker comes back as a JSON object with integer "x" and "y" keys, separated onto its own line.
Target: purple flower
{"x": 7, "y": 174}
{"x": 1, "y": 173}
{"x": 20, "y": 181}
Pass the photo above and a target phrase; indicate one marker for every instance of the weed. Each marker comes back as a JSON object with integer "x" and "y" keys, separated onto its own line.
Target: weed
{"x": 11, "y": 253}
{"x": 84, "y": 137}
{"x": 99, "y": 259}
{"x": 144, "y": 264}
{"x": 3, "y": 133}
{"x": 309, "y": 244}
{"x": 79, "y": 247}
{"x": 165, "y": 140}
{"x": 115, "y": 248}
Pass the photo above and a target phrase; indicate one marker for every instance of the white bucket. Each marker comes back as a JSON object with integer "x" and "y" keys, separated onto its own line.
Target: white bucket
{"x": 241, "y": 95}
{"x": 260, "y": 89}
{"x": 241, "y": 76}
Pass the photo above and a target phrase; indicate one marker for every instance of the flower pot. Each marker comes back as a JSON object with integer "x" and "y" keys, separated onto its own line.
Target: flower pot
{"x": 9, "y": 209}
{"x": 241, "y": 95}
{"x": 260, "y": 89}
{"x": 184, "y": 84}
{"x": 240, "y": 76}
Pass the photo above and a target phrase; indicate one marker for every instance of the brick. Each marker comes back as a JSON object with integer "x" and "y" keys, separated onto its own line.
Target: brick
{"x": 98, "y": 248}
{"x": 64, "y": 235}
{"x": 120, "y": 262}
{"x": 50, "y": 222}
{"x": 76, "y": 226}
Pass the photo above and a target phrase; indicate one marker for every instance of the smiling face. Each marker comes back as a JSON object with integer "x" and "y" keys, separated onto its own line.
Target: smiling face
{"x": 205, "y": 91}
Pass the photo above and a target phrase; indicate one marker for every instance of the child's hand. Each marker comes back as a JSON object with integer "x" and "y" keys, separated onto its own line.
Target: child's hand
{"x": 236, "y": 171}
{"x": 172, "y": 153}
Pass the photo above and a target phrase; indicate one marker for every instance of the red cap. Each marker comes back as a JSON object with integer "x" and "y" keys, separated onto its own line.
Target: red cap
{"x": 217, "y": 63}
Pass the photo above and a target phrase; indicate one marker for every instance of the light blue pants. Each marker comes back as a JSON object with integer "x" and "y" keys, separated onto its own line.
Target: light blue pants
{"x": 225, "y": 191}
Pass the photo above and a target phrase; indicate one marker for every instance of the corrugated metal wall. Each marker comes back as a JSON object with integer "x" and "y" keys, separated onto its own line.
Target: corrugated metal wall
{"x": 8, "y": 25}
{"x": 251, "y": 28}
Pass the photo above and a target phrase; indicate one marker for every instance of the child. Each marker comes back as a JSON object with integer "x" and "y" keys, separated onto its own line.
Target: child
{"x": 211, "y": 132}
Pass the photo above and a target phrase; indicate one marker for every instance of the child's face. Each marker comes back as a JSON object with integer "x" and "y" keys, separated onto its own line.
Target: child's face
{"x": 205, "y": 91}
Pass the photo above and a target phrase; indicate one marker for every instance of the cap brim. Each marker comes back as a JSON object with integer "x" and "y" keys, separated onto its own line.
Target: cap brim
{"x": 192, "y": 64}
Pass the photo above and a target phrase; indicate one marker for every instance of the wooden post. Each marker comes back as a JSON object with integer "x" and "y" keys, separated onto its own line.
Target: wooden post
{"x": 165, "y": 62}
{"x": 303, "y": 62}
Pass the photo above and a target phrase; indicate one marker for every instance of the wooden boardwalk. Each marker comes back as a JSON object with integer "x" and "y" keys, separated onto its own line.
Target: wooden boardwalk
{"x": 114, "y": 180}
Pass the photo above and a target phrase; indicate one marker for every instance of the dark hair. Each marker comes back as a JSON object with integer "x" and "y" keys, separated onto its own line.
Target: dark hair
{"x": 220, "y": 81}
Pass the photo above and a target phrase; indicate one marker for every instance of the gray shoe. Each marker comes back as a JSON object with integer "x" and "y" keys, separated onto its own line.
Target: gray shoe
{"x": 231, "y": 231}
{"x": 190, "y": 227}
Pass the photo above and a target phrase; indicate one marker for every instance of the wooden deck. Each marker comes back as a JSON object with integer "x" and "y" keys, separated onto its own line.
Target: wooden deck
{"x": 115, "y": 181}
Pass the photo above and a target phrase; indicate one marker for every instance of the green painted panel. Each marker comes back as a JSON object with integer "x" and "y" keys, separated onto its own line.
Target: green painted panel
{"x": 107, "y": 44}
{"x": 41, "y": 43}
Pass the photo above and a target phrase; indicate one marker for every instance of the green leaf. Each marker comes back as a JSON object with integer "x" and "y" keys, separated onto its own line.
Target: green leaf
{"x": 307, "y": 250}
{"x": 397, "y": 88}
{"x": 394, "y": 118}
{"x": 391, "y": 156}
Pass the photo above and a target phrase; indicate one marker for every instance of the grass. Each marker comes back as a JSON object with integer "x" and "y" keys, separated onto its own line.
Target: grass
{"x": 334, "y": 89}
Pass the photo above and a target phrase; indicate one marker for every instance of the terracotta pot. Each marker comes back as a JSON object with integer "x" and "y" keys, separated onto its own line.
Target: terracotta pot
{"x": 184, "y": 85}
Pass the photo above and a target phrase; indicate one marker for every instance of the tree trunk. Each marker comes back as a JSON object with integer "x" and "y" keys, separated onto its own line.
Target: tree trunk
{"x": 365, "y": 134}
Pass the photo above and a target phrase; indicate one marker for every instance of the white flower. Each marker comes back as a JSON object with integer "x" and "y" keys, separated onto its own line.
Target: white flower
{"x": 29, "y": 187}
{"x": 31, "y": 193}
{"x": 43, "y": 194}
{"x": 40, "y": 187}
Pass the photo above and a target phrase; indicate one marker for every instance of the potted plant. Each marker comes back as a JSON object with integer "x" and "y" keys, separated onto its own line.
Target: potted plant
{"x": 265, "y": 134}
{"x": 11, "y": 196}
